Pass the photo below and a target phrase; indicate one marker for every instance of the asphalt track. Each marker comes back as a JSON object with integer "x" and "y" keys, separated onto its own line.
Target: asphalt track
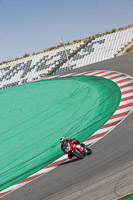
{"x": 106, "y": 174}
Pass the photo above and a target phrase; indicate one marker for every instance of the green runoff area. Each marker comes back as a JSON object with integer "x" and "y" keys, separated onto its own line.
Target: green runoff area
{"x": 128, "y": 197}
{"x": 35, "y": 115}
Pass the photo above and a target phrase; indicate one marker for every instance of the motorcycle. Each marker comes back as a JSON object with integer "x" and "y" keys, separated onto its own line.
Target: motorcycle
{"x": 77, "y": 150}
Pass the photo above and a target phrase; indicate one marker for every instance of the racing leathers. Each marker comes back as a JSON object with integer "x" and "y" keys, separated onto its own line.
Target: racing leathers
{"x": 73, "y": 141}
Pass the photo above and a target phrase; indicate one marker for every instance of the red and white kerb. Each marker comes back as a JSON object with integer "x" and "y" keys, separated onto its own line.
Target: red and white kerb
{"x": 125, "y": 83}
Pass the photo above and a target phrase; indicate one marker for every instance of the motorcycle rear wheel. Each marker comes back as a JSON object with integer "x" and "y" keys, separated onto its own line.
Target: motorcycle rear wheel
{"x": 89, "y": 151}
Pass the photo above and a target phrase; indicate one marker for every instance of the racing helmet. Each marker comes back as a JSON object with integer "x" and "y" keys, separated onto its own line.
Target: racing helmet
{"x": 62, "y": 139}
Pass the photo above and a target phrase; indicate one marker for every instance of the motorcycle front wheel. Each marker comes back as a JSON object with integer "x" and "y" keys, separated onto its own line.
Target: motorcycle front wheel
{"x": 78, "y": 154}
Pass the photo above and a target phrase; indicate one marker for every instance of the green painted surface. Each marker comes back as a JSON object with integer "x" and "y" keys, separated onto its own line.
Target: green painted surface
{"x": 34, "y": 116}
{"x": 128, "y": 197}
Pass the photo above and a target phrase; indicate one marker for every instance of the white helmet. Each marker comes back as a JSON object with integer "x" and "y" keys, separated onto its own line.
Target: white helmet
{"x": 62, "y": 139}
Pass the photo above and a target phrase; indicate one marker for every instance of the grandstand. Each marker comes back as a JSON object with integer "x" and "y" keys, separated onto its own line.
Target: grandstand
{"x": 99, "y": 49}
{"x": 82, "y": 53}
{"x": 33, "y": 67}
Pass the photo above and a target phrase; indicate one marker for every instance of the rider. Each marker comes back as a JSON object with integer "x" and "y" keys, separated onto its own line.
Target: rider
{"x": 64, "y": 141}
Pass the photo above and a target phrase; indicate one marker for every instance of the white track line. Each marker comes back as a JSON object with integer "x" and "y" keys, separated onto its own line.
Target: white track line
{"x": 125, "y": 108}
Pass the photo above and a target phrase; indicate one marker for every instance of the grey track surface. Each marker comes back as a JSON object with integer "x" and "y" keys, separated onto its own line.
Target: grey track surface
{"x": 105, "y": 175}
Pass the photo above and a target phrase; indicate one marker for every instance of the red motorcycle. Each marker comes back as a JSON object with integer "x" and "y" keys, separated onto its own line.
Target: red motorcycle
{"x": 77, "y": 150}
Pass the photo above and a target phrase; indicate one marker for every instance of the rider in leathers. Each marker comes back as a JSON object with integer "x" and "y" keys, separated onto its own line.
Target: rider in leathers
{"x": 72, "y": 141}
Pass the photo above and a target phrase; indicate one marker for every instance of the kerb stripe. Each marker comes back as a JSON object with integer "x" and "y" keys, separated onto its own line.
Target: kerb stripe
{"x": 122, "y": 112}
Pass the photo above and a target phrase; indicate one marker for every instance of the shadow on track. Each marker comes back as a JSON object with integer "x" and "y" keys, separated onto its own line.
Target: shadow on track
{"x": 70, "y": 161}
